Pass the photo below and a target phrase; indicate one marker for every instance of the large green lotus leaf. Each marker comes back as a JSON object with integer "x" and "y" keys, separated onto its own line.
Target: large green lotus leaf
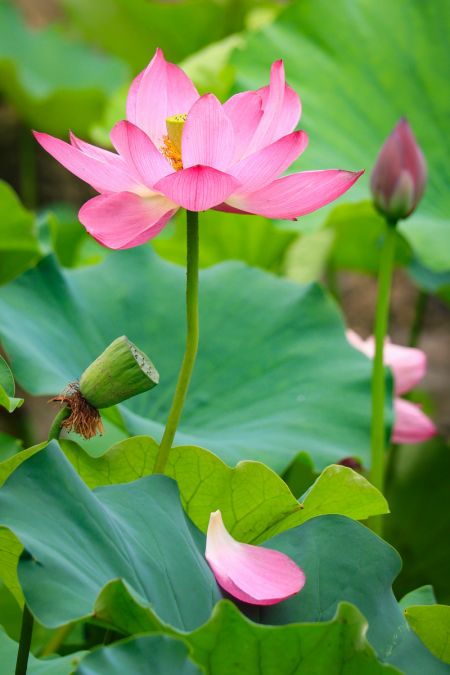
{"x": 10, "y": 546}
{"x": 19, "y": 247}
{"x": 230, "y": 644}
{"x": 132, "y": 29}
{"x": 419, "y": 523}
{"x": 82, "y": 540}
{"x": 61, "y": 665}
{"x": 358, "y": 66}
{"x": 47, "y": 77}
{"x": 274, "y": 374}
{"x": 419, "y": 596}
{"x": 432, "y": 624}
{"x": 148, "y": 654}
{"x": 345, "y": 561}
{"x": 255, "y": 502}
{"x": 227, "y": 237}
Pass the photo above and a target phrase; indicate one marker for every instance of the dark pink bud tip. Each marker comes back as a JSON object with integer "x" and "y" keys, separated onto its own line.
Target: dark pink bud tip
{"x": 399, "y": 177}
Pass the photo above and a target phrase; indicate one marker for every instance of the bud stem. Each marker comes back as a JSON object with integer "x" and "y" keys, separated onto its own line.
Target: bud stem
{"x": 385, "y": 273}
{"x": 192, "y": 336}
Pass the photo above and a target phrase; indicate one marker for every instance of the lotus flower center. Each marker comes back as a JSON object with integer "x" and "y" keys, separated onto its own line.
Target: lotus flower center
{"x": 171, "y": 148}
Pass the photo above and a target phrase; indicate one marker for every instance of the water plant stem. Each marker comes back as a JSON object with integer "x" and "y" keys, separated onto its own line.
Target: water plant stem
{"x": 192, "y": 335}
{"x": 55, "y": 428}
{"x": 378, "y": 374}
{"x": 25, "y": 642}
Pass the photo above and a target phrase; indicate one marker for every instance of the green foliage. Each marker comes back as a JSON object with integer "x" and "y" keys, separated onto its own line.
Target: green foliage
{"x": 47, "y": 77}
{"x": 231, "y": 645}
{"x": 133, "y": 29}
{"x": 255, "y": 502}
{"x": 225, "y": 236}
{"x": 384, "y": 60}
{"x": 155, "y": 654}
{"x": 127, "y": 553}
{"x": 7, "y": 388}
{"x": 63, "y": 665}
{"x": 358, "y": 236}
{"x": 420, "y": 518}
{"x": 432, "y": 624}
{"x": 274, "y": 374}
{"x": 419, "y": 596}
{"x": 81, "y": 541}
{"x": 19, "y": 247}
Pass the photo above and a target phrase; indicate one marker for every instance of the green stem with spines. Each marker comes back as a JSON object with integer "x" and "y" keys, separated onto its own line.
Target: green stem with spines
{"x": 192, "y": 337}
{"x": 378, "y": 430}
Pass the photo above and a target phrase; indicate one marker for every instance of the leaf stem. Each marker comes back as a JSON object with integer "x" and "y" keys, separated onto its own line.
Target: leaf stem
{"x": 192, "y": 337}
{"x": 56, "y": 640}
{"x": 25, "y": 642}
{"x": 378, "y": 373}
{"x": 55, "y": 428}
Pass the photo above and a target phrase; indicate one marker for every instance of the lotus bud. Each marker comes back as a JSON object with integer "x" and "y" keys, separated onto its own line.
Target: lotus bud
{"x": 119, "y": 373}
{"x": 399, "y": 177}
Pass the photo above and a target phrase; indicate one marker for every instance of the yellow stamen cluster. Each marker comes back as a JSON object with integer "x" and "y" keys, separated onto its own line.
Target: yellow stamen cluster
{"x": 172, "y": 154}
{"x": 172, "y": 142}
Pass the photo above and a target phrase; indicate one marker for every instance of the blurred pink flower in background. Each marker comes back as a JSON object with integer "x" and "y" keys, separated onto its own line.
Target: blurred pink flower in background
{"x": 253, "y": 574}
{"x": 399, "y": 176}
{"x": 179, "y": 149}
{"x": 408, "y": 366}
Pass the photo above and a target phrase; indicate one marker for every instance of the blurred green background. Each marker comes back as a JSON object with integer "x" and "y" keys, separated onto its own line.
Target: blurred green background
{"x": 358, "y": 65}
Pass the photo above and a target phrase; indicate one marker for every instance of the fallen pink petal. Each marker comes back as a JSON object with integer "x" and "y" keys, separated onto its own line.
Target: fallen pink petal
{"x": 179, "y": 149}
{"x": 253, "y": 574}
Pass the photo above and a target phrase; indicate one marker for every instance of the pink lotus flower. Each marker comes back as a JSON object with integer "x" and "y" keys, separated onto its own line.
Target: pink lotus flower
{"x": 400, "y": 173}
{"x": 253, "y": 574}
{"x": 408, "y": 368}
{"x": 179, "y": 149}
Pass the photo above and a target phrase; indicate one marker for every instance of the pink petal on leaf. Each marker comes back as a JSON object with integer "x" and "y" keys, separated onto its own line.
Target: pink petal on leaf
{"x": 245, "y": 112}
{"x": 124, "y": 219}
{"x": 297, "y": 194}
{"x": 160, "y": 91}
{"x": 198, "y": 188}
{"x": 140, "y": 153}
{"x": 104, "y": 176}
{"x": 208, "y": 136}
{"x": 253, "y": 574}
{"x": 411, "y": 424}
{"x": 264, "y": 166}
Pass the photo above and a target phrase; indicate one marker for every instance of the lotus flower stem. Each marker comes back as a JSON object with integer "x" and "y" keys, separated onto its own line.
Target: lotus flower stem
{"x": 378, "y": 375}
{"x": 55, "y": 428}
{"x": 25, "y": 642}
{"x": 192, "y": 336}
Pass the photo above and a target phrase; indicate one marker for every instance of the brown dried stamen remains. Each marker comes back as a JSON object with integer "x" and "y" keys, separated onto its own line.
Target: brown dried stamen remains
{"x": 84, "y": 419}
